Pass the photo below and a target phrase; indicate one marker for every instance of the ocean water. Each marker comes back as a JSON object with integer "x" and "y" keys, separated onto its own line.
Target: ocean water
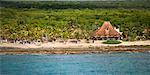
{"x": 76, "y": 64}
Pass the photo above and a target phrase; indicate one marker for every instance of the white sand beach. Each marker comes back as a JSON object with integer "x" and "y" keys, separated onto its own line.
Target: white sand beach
{"x": 73, "y": 45}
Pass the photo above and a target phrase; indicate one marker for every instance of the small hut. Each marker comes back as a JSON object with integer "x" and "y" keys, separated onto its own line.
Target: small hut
{"x": 107, "y": 32}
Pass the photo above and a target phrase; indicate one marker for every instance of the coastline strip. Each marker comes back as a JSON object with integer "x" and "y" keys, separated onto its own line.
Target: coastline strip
{"x": 108, "y": 49}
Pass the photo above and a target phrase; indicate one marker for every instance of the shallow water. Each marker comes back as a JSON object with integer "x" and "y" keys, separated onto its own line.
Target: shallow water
{"x": 77, "y": 64}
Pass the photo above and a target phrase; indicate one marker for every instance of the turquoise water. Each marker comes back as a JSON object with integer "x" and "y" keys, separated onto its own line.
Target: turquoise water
{"x": 78, "y": 64}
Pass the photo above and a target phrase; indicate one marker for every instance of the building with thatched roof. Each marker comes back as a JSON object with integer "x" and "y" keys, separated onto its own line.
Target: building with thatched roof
{"x": 107, "y": 32}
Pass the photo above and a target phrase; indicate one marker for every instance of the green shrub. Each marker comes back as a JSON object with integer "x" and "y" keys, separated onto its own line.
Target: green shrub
{"x": 111, "y": 42}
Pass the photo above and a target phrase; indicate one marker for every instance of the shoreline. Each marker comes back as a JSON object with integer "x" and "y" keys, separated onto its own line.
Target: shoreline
{"x": 97, "y": 50}
{"x": 72, "y": 48}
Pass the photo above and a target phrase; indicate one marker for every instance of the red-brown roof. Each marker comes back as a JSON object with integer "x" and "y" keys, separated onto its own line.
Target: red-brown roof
{"x": 106, "y": 30}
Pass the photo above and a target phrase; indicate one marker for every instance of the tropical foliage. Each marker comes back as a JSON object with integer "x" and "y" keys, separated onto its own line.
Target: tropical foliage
{"x": 37, "y": 21}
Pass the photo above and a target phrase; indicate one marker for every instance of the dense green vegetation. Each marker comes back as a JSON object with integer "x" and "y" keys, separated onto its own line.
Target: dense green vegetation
{"x": 34, "y": 20}
{"x": 112, "y": 42}
{"x": 138, "y": 4}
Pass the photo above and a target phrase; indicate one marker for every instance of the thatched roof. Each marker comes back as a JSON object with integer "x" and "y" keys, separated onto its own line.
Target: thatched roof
{"x": 106, "y": 30}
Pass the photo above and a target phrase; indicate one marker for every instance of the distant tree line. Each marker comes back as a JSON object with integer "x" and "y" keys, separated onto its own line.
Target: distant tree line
{"x": 76, "y": 4}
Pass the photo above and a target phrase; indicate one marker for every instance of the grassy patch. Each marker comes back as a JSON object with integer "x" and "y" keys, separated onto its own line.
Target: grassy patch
{"x": 146, "y": 46}
{"x": 111, "y": 42}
